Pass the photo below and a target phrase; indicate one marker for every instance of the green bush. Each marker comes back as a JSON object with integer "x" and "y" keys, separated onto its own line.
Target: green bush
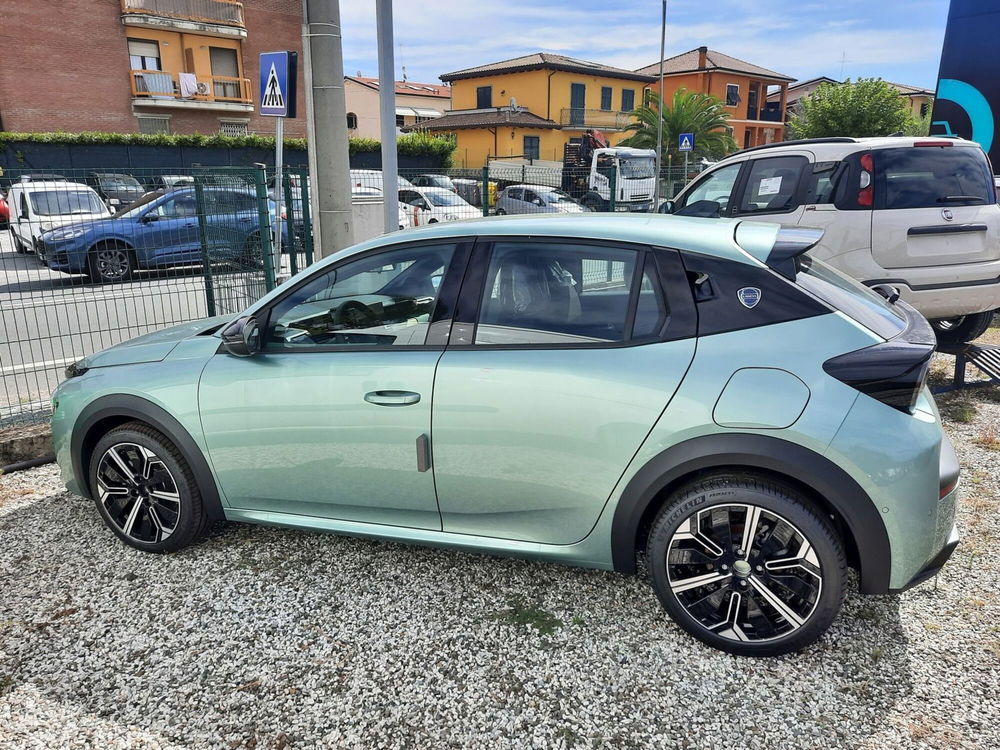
{"x": 413, "y": 144}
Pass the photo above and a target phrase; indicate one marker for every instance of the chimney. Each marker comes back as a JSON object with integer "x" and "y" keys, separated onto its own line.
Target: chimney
{"x": 702, "y": 58}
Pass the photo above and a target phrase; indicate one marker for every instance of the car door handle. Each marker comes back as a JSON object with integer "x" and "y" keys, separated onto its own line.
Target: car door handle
{"x": 392, "y": 398}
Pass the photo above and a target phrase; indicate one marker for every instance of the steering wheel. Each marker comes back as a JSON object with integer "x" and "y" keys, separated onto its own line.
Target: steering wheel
{"x": 353, "y": 314}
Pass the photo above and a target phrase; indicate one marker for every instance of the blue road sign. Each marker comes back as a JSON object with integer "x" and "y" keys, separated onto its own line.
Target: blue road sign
{"x": 277, "y": 83}
{"x": 685, "y": 142}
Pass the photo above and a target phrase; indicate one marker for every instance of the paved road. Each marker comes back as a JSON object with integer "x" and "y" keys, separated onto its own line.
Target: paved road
{"x": 50, "y": 319}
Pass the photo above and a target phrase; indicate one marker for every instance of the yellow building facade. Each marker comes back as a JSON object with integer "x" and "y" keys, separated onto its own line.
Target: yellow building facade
{"x": 534, "y": 105}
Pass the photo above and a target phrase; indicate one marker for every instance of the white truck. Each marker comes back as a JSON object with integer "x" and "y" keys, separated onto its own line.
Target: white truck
{"x": 633, "y": 171}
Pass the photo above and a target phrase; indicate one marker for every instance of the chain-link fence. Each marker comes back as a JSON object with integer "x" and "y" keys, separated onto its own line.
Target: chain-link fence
{"x": 90, "y": 259}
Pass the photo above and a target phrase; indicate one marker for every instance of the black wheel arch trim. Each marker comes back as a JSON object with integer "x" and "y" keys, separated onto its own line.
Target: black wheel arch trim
{"x": 134, "y": 407}
{"x": 774, "y": 455}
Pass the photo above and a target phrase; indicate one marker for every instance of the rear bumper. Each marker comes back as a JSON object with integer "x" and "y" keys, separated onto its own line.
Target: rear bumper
{"x": 933, "y": 565}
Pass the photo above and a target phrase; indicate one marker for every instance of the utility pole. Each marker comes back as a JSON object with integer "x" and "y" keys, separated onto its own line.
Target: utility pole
{"x": 659, "y": 112}
{"x": 326, "y": 114}
{"x": 387, "y": 114}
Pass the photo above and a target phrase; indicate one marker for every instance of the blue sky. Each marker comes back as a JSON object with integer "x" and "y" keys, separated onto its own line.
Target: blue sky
{"x": 899, "y": 40}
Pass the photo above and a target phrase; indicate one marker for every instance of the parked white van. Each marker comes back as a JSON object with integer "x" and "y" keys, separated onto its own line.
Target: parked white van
{"x": 38, "y": 206}
{"x": 918, "y": 214}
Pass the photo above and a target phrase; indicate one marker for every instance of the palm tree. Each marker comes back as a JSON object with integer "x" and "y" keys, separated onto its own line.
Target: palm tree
{"x": 689, "y": 112}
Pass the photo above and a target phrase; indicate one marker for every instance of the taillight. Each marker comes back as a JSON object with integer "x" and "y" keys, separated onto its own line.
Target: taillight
{"x": 893, "y": 372}
{"x": 866, "y": 190}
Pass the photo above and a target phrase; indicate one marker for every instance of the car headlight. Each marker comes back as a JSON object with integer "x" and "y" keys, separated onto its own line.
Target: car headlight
{"x": 68, "y": 234}
{"x": 47, "y": 226}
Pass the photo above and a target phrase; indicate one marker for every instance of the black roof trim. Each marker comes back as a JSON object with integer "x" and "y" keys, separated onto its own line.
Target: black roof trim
{"x": 800, "y": 142}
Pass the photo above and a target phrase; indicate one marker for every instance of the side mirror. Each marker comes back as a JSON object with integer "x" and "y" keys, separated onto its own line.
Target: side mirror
{"x": 149, "y": 217}
{"x": 538, "y": 202}
{"x": 242, "y": 337}
{"x": 667, "y": 207}
{"x": 702, "y": 209}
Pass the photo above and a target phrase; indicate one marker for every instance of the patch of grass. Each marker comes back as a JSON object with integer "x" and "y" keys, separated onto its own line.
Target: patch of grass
{"x": 578, "y": 621}
{"x": 988, "y": 438}
{"x": 529, "y": 615}
{"x": 959, "y": 411}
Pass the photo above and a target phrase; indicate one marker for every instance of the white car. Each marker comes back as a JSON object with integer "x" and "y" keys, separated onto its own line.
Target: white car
{"x": 39, "y": 206}
{"x": 404, "y": 214}
{"x": 916, "y": 214}
{"x": 372, "y": 178}
{"x": 434, "y": 204}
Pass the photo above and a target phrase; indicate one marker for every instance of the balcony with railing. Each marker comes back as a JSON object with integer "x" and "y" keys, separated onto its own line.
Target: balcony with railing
{"x": 223, "y": 16}
{"x": 603, "y": 119}
{"x": 157, "y": 88}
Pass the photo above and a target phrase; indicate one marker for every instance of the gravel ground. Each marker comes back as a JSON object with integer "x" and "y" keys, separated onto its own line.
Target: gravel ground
{"x": 269, "y": 638}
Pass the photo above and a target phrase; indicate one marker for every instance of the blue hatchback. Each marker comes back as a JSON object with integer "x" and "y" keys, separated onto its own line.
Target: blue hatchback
{"x": 162, "y": 230}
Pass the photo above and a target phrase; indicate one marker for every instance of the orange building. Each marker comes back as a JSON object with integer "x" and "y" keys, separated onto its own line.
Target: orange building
{"x": 744, "y": 87}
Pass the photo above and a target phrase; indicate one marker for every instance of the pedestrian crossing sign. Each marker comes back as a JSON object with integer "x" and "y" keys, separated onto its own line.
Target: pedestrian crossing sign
{"x": 685, "y": 142}
{"x": 277, "y": 83}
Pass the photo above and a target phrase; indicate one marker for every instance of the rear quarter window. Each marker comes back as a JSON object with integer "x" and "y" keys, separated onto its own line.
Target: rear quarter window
{"x": 932, "y": 177}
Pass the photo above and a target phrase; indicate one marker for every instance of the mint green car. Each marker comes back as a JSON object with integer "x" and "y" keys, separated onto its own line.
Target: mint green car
{"x": 599, "y": 390}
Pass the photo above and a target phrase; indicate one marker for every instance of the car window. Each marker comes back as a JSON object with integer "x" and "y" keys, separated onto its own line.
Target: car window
{"x": 650, "y": 309}
{"x": 530, "y": 196}
{"x": 772, "y": 184}
{"x": 927, "y": 177}
{"x": 385, "y": 299}
{"x": 446, "y": 199}
{"x": 181, "y": 207}
{"x": 821, "y": 182}
{"x": 554, "y": 293}
{"x": 716, "y": 186}
{"x": 514, "y": 193}
{"x": 409, "y": 196}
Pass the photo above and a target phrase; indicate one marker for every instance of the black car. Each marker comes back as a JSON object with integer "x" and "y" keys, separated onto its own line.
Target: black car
{"x": 116, "y": 189}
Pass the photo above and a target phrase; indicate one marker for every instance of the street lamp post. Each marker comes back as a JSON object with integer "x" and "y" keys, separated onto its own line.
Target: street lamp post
{"x": 659, "y": 111}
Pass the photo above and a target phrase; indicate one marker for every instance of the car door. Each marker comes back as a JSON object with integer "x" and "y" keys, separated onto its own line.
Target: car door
{"x": 933, "y": 206}
{"x": 771, "y": 189}
{"x": 546, "y": 393}
{"x": 232, "y": 221}
{"x": 333, "y": 417}
{"x": 168, "y": 232}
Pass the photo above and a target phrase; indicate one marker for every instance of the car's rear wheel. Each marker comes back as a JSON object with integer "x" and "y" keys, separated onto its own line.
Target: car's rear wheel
{"x": 501, "y": 212}
{"x": 746, "y": 565}
{"x": 144, "y": 489}
{"x": 963, "y": 329}
{"x": 110, "y": 263}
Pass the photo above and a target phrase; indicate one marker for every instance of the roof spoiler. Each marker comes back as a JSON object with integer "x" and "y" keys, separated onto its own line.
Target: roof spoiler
{"x": 789, "y": 244}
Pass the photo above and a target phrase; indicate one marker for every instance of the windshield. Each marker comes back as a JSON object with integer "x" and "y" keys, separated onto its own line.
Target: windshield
{"x": 446, "y": 199}
{"x": 66, "y": 202}
{"x": 555, "y": 196}
{"x": 118, "y": 181}
{"x": 637, "y": 167}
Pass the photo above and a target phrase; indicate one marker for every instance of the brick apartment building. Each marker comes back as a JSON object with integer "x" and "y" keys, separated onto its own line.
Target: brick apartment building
{"x": 146, "y": 66}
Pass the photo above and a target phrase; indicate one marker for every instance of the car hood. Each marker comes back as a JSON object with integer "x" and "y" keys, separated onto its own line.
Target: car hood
{"x": 152, "y": 347}
{"x": 58, "y": 222}
{"x": 568, "y": 208}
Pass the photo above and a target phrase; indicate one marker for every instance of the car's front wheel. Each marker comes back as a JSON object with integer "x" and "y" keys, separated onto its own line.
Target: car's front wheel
{"x": 144, "y": 489}
{"x": 110, "y": 263}
{"x": 18, "y": 245}
{"x": 746, "y": 565}
{"x": 963, "y": 329}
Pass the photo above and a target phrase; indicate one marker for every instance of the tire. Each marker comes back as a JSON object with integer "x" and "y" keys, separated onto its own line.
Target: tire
{"x": 747, "y": 607}
{"x": 501, "y": 212}
{"x": 19, "y": 248}
{"x": 963, "y": 329}
{"x": 157, "y": 507}
{"x": 109, "y": 263}
{"x": 591, "y": 204}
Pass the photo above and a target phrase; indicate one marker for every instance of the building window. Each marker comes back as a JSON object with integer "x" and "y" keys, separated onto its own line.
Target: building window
{"x": 531, "y": 146}
{"x": 352, "y": 121}
{"x": 732, "y": 95}
{"x": 484, "y": 97}
{"x": 234, "y": 127}
{"x": 153, "y": 125}
{"x": 606, "y": 98}
{"x": 400, "y": 121}
{"x": 144, "y": 54}
{"x": 628, "y": 100}
{"x": 923, "y": 109}
{"x": 225, "y": 65}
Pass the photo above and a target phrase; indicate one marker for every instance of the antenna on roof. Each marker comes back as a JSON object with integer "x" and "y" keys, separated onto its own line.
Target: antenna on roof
{"x": 513, "y": 105}
{"x": 359, "y": 74}
{"x": 404, "y": 74}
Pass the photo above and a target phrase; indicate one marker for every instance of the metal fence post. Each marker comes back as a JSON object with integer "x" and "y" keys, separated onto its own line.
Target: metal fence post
{"x": 293, "y": 253}
{"x": 307, "y": 229}
{"x": 206, "y": 260}
{"x": 613, "y": 190}
{"x": 486, "y": 191}
{"x": 264, "y": 223}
